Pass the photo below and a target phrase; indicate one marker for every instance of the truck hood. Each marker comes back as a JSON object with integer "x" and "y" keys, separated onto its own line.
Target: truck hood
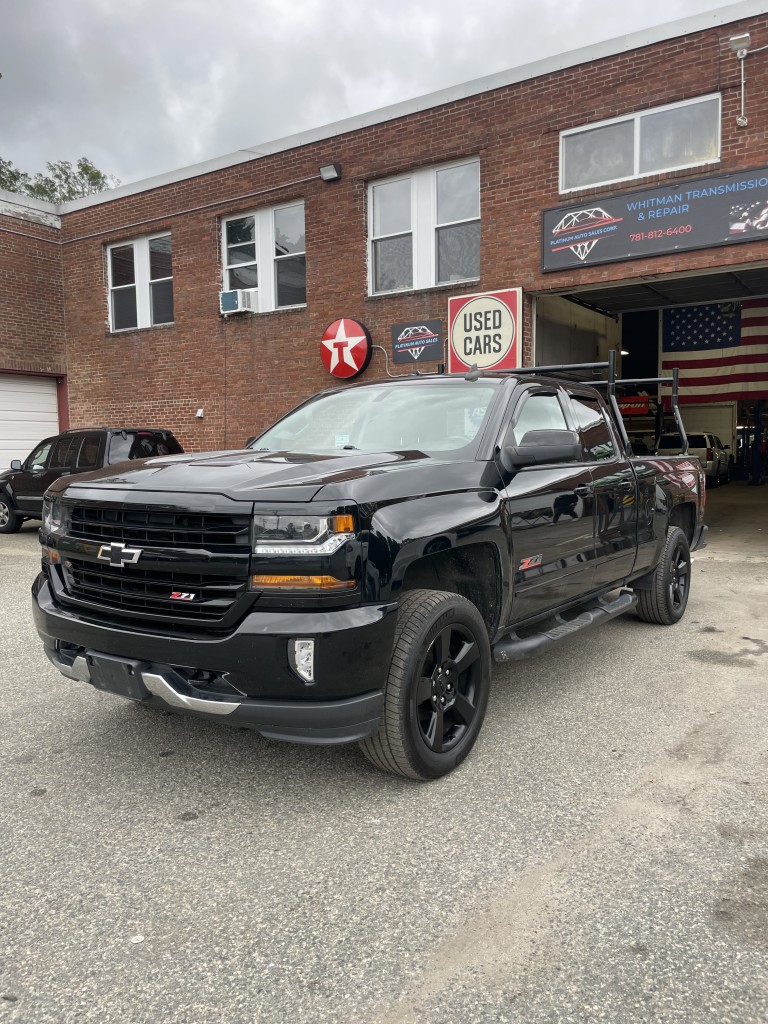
{"x": 241, "y": 475}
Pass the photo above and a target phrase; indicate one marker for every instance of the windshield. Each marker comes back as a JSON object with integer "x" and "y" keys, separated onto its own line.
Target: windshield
{"x": 432, "y": 418}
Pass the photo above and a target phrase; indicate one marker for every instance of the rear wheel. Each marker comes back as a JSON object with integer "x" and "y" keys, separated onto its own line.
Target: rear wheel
{"x": 10, "y": 520}
{"x": 665, "y": 601}
{"x": 437, "y": 689}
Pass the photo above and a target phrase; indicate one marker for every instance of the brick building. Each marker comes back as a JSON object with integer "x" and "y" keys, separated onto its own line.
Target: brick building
{"x": 110, "y": 304}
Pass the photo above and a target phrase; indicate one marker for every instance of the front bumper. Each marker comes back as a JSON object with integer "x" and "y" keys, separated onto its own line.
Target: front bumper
{"x": 248, "y": 680}
{"x": 320, "y": 722}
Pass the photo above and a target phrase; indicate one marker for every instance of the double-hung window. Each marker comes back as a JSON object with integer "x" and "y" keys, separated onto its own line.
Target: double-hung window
{"x": 266, "y": 252}
{"x": 667, "y": 138}
{"x": 140, "y": 283}
{"x": 424, "y": 228}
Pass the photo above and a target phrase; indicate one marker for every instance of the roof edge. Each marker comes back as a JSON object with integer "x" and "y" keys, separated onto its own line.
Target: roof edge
{"x": 40, "y": 211}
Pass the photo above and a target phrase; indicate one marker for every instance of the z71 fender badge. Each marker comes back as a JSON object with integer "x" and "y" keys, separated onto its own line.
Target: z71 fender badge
{"x": 530, "y": 562}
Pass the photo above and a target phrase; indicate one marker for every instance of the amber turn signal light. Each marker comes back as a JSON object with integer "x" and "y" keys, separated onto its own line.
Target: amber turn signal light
{"x": 300, "y": 583}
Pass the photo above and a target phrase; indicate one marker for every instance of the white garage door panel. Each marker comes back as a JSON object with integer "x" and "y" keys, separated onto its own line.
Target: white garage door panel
{"x": 28, "y": 413}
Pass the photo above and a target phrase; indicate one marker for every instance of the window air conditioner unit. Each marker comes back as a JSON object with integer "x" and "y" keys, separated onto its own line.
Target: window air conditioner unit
{"x": 240, "y": 300}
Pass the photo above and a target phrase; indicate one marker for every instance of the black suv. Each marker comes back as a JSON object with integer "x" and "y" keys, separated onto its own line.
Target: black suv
{"x": 74, "y": 451}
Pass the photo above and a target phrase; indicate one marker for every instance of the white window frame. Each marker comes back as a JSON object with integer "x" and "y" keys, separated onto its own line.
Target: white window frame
{"x": 266, "y": 260}
{"x": 424, "y": 226}
{"x": 142, "y": 282}
{"x": 637, "y": 117}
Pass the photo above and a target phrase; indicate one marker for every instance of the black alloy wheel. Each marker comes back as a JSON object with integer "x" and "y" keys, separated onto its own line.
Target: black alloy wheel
{"x": 437, "y": 690}
{"x": 679, "y": 580}
{"x": 665, "y": 601}
{"x": 447, "y": 688}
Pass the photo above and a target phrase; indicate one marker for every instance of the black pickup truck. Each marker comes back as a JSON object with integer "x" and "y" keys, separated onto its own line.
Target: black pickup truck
{"x": 351, "y": 575}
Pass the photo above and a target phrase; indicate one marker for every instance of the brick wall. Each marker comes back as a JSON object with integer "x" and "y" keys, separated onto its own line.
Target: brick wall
{"x": 31, "y": 296}
{"x": 247, "y": 370}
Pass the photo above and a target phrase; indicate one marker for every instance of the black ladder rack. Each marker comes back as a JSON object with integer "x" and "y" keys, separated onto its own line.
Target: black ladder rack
{"x": 567, "y": 370}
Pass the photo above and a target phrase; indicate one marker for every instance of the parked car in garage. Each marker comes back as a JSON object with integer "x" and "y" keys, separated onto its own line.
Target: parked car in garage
{"x": 73, "y": 451}
{"x": 713, "y": 455}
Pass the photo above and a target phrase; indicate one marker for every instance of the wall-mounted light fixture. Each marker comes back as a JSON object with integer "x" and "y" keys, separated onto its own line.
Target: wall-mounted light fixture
{"x": 200, "y": 414}
{"x": 330, "y": 172}
{"x": 741, "y": 47}
{"x": 740, "y": 44}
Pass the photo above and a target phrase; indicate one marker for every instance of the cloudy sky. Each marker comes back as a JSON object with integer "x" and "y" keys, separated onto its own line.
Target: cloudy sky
{"x": 146, "y": 86}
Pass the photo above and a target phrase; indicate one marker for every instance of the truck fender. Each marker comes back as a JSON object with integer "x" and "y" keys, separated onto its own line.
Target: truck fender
{"x": 421, "y": 536}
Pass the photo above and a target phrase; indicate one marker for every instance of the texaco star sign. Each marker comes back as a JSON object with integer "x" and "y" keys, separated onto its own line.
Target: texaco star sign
{"x": 346, "y": 347}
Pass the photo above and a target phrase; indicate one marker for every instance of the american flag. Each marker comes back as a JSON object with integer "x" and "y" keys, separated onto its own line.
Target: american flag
{"x": 721, "y": 350}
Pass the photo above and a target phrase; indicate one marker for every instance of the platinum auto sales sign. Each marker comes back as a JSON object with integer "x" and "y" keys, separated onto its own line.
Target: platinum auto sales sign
{"x": 484, "y": 331}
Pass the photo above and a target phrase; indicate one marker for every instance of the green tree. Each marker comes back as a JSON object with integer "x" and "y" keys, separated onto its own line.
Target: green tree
{"x": 62, "y": 182}
{"x": 12, "y": 179}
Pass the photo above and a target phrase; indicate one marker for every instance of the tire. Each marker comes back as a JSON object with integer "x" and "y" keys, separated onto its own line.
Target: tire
{"x": 437, "y": 689}
{"x": 10, "y": 520}
{"x": 666, "y": 600}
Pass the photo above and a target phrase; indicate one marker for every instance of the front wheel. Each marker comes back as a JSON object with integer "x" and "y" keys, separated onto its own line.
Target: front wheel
{"x": 10, "y": 520}
{"x": 665, "y": 601}
{"x": 437, "y": 689}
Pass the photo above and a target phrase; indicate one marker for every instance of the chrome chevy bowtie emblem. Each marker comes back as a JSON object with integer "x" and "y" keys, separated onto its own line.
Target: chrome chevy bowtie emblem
{"x": 118, "y": 554}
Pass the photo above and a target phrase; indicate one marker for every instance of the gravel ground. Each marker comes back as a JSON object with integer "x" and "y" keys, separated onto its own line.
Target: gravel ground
{"x": 602, "y": 854}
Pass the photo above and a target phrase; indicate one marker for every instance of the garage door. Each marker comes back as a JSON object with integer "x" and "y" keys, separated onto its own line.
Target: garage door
{"x": 28, "y": 413}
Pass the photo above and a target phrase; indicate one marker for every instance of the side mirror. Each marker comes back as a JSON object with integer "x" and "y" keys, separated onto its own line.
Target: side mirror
{"x": 16, "y": 464}
{"x": 542, "y": 447}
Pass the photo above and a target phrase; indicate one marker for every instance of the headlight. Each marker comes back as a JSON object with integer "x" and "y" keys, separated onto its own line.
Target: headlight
{"x": 301, "y": 535}
{"x": 53, "y": 515}
{"x": 326, "y": 546}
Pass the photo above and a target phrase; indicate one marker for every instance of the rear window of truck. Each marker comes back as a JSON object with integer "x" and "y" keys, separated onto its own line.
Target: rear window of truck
{"x": 141, "y": 444}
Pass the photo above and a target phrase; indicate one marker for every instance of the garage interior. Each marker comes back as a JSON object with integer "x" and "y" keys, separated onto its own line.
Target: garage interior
{"x": 584, "y": 325}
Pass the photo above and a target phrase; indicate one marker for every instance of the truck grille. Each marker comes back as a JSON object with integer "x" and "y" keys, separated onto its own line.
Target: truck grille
{"x": 193, "y": 566}
{"x": 148, "y": 591}
{"x": 212, "y": 531}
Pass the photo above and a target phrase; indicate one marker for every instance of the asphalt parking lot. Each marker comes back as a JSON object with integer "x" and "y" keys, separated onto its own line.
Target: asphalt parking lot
{"x": 601, "y": 856}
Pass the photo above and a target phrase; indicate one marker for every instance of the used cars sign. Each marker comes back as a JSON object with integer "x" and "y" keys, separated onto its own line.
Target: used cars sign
{"x": 485, "y": 331}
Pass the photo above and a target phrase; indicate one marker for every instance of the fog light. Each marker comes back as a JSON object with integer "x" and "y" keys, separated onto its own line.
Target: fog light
{"x": 301, "y": 654}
